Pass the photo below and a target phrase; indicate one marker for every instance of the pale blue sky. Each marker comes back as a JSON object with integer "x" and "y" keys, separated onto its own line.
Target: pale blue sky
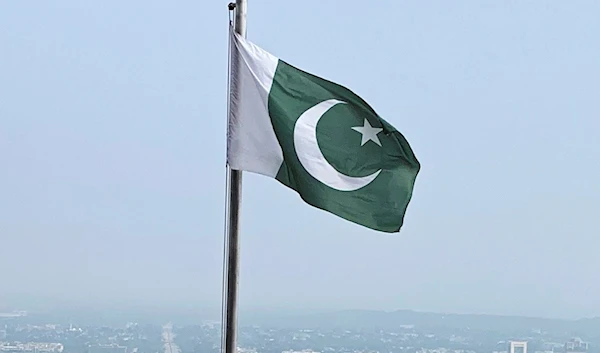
{"x": 112, "y": 126}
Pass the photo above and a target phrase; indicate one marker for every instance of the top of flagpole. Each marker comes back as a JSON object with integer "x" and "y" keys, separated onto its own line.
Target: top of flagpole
{"x": 240, "y": 17}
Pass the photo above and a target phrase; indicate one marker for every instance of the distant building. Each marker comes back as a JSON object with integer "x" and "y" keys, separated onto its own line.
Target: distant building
{"x": 35, "y": 347}
{"x": 517, "y": 347}
{"x": 576, "y": 345}
{"x": 107, "y": 348}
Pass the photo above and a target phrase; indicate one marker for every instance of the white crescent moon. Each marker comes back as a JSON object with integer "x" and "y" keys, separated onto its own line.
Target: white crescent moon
{"x": 311, "y": 157}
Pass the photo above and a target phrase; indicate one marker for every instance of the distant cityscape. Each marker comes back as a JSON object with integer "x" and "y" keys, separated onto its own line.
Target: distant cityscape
{"x": 356, "y": 332}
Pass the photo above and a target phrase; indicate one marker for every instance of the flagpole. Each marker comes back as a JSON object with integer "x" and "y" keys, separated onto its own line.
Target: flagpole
{"x": 232, "y": 241}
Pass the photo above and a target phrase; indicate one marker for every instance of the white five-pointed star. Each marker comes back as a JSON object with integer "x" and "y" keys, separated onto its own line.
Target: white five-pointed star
{"x": 368, "y": 132}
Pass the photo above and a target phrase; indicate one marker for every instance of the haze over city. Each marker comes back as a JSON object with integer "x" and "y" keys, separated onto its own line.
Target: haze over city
{"x": 112, "y": 147}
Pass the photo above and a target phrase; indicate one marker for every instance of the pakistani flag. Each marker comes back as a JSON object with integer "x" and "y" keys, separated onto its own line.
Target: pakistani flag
{"x": 317, "y": 138}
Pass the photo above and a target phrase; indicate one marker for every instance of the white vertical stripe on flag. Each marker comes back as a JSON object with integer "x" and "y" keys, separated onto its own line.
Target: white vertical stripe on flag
{"x": 251, "y": 141}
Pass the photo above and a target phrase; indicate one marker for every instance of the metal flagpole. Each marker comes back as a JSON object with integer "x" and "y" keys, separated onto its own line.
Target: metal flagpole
{"x": 232, "y": 241}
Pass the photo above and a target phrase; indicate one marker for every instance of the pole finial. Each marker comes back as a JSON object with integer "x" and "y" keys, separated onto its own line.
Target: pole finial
{"x": 231, "y": 6}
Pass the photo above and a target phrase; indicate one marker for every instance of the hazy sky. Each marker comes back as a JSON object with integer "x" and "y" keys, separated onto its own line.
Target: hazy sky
{"x": 112, "y": 149}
